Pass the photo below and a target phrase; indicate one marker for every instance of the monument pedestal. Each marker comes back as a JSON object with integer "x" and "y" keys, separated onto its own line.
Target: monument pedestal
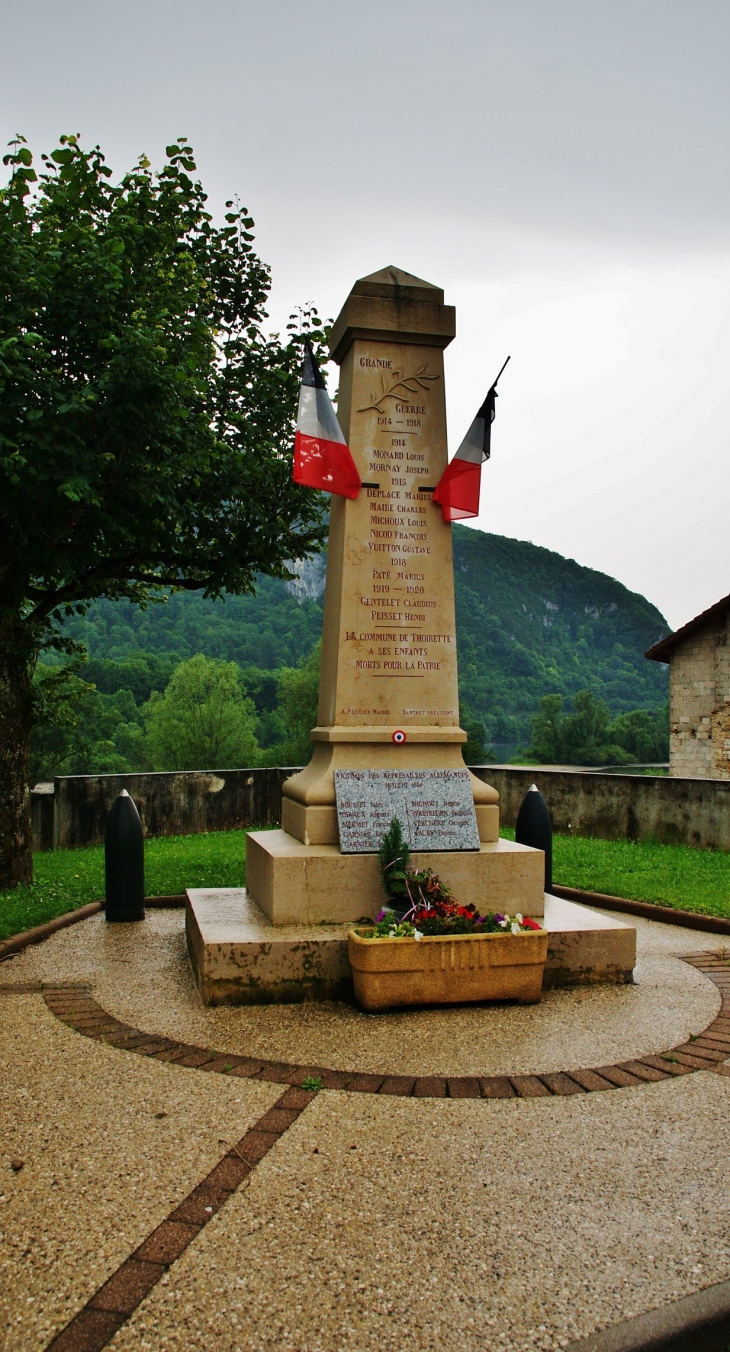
{"x": 308, "y": 810}
{"x": 297, "y": 884}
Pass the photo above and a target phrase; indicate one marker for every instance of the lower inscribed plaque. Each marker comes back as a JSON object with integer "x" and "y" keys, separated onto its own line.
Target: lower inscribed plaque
{"x": 435, "y": 809}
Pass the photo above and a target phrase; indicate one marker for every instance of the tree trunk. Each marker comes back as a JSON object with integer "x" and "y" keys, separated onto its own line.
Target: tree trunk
{"x": 16, "y": 719}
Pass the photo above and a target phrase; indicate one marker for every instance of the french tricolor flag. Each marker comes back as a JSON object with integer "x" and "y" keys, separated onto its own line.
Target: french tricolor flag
{"x": 458, "y": 488}
{"x": 321, "y": 455}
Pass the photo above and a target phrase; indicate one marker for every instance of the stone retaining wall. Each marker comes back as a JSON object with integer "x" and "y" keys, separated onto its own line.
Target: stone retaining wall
{"x": 614, "y": 807}
{"x": 620, "y": 807}
{"x": 174, "y": 803}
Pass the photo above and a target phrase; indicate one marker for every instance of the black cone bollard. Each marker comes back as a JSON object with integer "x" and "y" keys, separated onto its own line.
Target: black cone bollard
{"x": 534, "y": 827}
{"x": 124, "y": 861}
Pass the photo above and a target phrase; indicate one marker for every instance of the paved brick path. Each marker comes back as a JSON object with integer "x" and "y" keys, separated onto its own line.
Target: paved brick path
{"x": 109, "y": 1308}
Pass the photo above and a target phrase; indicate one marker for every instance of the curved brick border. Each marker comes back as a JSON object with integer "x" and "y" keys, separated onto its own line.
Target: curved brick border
{"x": 112, "y": 1304}
{"x": 76, "y": 1007}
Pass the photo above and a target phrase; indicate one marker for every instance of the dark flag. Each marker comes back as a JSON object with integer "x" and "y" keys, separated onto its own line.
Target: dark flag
{"x": 458, "y": 488}
{"x": 321, "y": 456}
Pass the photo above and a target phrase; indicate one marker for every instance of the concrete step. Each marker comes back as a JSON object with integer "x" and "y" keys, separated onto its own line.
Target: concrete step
{"x": 239, "y": 958}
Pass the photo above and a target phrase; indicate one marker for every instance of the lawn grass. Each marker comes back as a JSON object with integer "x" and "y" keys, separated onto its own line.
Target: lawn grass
{"x": 669, "y": 875}
{"x": 66, "y": 879}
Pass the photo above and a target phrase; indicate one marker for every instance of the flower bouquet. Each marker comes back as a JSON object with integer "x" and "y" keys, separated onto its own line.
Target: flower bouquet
{"x": 425, "y": 948}
{"x": 458, "y": 920}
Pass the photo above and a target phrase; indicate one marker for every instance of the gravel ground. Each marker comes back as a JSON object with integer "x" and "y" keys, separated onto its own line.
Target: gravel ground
{"x": 109, "y": 1143}
{"x": 141, "y": 974}
{"x": 487, "y": 1226}
{"x": 502, "y": 1225}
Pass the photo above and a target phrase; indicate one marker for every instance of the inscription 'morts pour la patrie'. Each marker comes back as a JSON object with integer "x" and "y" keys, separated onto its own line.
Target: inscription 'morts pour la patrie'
{"x": 435, "y": 809}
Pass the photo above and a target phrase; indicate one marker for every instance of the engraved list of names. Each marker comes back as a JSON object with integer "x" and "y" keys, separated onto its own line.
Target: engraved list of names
{"x": 398, "y": 636}
{"x": 435, "y": 809}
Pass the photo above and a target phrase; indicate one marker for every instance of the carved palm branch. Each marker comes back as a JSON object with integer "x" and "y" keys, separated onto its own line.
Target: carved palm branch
{"x": 400, "y": 388}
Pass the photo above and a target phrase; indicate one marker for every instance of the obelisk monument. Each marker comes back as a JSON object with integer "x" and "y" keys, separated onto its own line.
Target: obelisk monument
{"x": 388, "y": 691}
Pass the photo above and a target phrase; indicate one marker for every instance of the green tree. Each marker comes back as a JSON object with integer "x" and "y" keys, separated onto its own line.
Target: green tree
{"x": 146, "y": 419}
{"x": 203, "y": 721}
{"x": 547, "y": 731}
{"x": 298, "y": 700}
{"x": 263, "y": 688}
{"x": 587, "y": 736}
{"x": 79, "y": 730}
{"x": 643, "y": 734}
{"x": 474, "y": 750}
{"x": 577, "y": 738}
{"x": 59, "y": 695}
{"x": 585, "y": 730}
{"x": 140, "y": 673}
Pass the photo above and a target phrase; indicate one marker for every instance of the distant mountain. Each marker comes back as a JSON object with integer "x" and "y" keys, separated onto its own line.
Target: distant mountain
{"x": 529, "y": 623}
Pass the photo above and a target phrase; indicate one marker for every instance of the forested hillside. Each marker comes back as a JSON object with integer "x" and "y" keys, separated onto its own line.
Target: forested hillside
{"x": 529, "y": 623}
{"x": 532, "y": 623}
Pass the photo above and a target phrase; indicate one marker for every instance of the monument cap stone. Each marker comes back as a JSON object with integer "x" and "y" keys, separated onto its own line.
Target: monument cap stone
{"x": 393, "y": 302}
{"x": 387, "y": 280}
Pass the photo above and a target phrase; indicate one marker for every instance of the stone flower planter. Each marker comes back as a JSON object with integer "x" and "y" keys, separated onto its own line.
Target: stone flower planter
{"x": 447, "y": 969}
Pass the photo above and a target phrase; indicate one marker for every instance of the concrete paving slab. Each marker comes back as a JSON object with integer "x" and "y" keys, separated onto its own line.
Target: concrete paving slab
{"x": 366, "y": 1227}
{"x": 108, "y": 1144}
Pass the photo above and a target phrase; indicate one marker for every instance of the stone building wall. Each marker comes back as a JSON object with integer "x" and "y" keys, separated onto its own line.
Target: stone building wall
{"x": 721, "y": 716}
{"x": 699, "y": 703}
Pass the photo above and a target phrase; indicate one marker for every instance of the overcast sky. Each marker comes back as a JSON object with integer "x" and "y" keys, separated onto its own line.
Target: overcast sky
{"x": 559, "y": 167}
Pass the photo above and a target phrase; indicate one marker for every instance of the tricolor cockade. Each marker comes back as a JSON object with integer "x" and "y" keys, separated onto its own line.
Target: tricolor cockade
{"x": 321, "y": 455}
{"x": 458, "y": 488}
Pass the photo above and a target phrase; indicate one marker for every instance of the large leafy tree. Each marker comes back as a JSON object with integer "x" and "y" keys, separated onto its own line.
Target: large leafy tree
{"x": 203, "y": 721}
{"x": 145, "y": 415}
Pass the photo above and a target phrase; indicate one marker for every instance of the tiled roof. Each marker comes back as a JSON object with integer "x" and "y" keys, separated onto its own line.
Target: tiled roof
{"x": 662, "y": 650}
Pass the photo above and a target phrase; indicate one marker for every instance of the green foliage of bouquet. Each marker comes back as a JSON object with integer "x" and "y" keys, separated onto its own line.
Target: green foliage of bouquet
{"x": 393, "y": 858}
{"x": 424, "y": 905}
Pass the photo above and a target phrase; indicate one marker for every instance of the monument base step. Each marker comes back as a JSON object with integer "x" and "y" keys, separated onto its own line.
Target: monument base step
{"x": 239, "y": 958}
{"x": 298, "y": 884}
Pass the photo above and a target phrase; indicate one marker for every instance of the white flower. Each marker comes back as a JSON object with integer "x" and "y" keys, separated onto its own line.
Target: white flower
{"x": 417, "y": 934}
{"x": 515, "y": 927}
{"x": 518, "y": 918}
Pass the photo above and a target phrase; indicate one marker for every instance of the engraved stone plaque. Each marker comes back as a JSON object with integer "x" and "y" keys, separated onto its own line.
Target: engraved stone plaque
{"x": 435, "y": 809}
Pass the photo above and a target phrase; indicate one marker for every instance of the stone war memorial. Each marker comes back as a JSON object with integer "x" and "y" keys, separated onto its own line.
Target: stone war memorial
{"x": 387, "y": 741}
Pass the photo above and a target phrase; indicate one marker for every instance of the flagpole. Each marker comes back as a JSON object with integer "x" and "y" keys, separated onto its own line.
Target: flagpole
{"x": 494, "y": 382}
